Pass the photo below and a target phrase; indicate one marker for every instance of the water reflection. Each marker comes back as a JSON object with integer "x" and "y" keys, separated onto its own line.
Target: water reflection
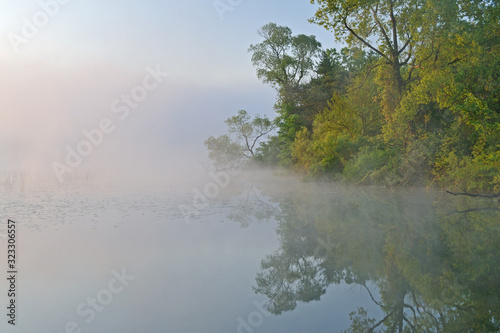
{"x": 433, "y": 258}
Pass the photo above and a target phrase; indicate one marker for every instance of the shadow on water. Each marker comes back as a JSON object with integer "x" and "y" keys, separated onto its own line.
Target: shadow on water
{"x": 433, "y": 257}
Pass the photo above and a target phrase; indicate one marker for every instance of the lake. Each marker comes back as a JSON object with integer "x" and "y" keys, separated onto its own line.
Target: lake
{"x": 250, "y": 252}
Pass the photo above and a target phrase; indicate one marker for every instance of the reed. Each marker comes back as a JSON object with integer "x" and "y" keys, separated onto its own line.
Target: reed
{"x": 12, "y": 180}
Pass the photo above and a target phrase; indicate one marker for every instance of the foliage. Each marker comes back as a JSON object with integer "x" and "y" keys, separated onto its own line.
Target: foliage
{"x": 414, "y": 98}
{"x": 362, "y": 169}
{"x": 468, "y": 174}
{"x": 338, "y": 131}
{"x": 225, "y": 151}
{"x": 282, "y": 59}
{"x": 267, "y": 154}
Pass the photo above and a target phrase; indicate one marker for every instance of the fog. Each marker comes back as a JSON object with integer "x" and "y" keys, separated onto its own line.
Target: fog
{"x": 62, "y": 78}
{"x": 124, "y": 93}
{"x": 45, "y": 108}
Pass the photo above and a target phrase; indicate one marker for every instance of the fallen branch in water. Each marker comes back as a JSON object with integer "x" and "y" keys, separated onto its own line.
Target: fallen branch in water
{"x": 476, "y": 195}
{"x": 473, "y": 210}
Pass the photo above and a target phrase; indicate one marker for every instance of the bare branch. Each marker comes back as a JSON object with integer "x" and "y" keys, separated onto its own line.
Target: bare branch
{"x": 258, "y": 137}
{"x": 380, "y": 322}
{"x": 454, "y": 61}
{"x": 363, "y": 41}
{"x": 375, "y": 17}
{"x": 371, "y": 295}
{"x": 409, "y": 323}
{"x": 366, "y": 77}
{"x": 475, "y": 210}
{"x": 394, "y": 27}
{"x": 476, "y": 195}
{"x": 404, "y": 46}
{"x": 409, "y": 56}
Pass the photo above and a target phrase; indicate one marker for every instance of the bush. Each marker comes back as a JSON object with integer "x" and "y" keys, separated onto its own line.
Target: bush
{"x": 468, "y": 174}
{"x": 369, "y": 160}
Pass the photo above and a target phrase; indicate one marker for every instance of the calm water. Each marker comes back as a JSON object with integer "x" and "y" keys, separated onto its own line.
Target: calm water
{"x": 266, "y": 254}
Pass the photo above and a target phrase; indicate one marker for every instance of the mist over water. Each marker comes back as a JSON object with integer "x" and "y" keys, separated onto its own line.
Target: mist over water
{"x": 311, "y": 252}
{"x": 124, "y": 226}
{"x": 321, "y": 256}
{"x": 46, "y": 109}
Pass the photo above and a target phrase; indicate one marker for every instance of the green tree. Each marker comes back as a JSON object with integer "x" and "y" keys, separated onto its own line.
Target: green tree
{"x": 331, "y": 73}
{"x": 286, "y": 62}
{"x": 381, "y": 26}
{"x": 402, "y": 34}
{"x": 340, "y": 129}
{"x": 282, "y": 59}
{"x": 225, "y": 151}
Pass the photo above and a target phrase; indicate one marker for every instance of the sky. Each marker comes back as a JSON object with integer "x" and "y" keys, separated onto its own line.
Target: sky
{"x": 68, "y": 65}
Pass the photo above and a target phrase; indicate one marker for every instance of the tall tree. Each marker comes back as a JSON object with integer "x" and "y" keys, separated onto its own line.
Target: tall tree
{"x": 392, "y": 29}
{"x": 282, "y": 59}
{"x": 286, "y": 62}
{"x": 381, "y": 26}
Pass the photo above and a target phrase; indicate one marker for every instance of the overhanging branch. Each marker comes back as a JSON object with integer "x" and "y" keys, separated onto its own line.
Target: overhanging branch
{"x": 476, "y": 195}
{"x": 364, "y": 41}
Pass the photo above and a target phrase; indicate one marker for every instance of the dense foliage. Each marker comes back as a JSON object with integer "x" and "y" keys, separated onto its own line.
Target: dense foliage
{"x": 412, "y": 99}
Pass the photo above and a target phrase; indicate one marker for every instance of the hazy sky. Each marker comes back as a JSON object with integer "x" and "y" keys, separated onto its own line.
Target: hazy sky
{"x": 62, "y": 72}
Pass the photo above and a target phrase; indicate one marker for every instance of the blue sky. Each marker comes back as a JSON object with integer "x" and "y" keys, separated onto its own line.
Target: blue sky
{"x": 65, "y": 76}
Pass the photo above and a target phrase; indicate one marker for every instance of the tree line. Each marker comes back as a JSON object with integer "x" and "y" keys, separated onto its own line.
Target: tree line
{"x": 412, "y": 99}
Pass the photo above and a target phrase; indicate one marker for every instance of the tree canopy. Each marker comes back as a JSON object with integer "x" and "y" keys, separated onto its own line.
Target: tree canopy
{"x": 412, "y": 99}
{"x": 282, "y": 59}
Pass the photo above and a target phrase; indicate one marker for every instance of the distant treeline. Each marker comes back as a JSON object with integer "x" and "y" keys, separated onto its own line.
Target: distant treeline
{"x": 413, "y": 99}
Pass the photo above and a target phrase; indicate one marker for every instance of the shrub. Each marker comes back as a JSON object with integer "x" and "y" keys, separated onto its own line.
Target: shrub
{"x": 468, "y": 174}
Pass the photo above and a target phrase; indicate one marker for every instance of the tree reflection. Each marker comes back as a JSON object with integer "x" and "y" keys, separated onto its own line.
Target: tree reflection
{"x": 433, "y": 258}
{"x": 250, "y": 207}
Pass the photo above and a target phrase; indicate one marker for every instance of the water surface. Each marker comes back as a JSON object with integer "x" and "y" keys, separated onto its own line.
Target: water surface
{"x": 261, "y": 254}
